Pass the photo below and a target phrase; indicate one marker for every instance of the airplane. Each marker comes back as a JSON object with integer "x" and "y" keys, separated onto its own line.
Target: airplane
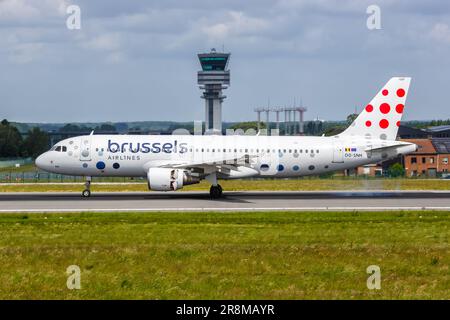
{"x": 171, "y": 162}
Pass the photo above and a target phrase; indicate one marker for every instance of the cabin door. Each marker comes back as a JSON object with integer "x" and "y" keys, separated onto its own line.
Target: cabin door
{"x": 338, "y": 152}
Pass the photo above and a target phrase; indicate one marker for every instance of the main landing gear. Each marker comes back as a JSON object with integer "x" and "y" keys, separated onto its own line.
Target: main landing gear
{"x": 215, "y": 192}
{"x": 87, "y": 192}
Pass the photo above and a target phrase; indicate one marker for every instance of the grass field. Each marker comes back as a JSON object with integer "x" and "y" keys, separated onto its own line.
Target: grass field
{"x": 279, "y": 255}
{"x": 256, "y": 185}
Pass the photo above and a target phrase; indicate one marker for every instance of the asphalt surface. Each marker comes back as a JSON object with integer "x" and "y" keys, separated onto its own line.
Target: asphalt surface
{"x": 231, "y": 201}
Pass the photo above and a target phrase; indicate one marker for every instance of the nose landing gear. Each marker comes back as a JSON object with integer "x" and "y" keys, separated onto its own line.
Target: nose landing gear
{"x": 87, "y": 192}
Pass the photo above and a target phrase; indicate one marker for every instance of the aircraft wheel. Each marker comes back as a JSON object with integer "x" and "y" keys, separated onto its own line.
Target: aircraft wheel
{"x": 86, "y": 193}
{"x": 215, "y": 192}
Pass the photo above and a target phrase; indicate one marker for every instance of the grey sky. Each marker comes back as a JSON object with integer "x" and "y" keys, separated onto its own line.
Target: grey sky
{"x": 136, "y": 60}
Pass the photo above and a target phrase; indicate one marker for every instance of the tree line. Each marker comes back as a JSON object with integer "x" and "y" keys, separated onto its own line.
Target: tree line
{"x": 12, "y": 143}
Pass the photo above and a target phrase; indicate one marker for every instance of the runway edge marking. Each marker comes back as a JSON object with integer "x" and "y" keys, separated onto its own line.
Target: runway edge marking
{"x": 228, "y": 209}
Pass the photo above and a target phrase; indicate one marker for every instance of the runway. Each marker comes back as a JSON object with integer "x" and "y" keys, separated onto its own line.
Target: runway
{"x": 232, "y": 201}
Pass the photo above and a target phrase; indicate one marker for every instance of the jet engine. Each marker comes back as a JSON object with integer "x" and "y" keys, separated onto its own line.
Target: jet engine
{"x": 169, "y": 179}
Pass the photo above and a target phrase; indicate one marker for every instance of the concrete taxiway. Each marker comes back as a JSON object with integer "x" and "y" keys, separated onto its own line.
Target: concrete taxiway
{"x": 232, "y": 201}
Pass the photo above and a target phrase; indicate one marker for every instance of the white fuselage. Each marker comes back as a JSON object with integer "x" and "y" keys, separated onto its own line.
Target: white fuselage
{"x": 271, "y": 156}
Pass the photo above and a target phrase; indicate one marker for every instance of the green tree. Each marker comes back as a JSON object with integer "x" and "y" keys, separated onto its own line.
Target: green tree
{"x": 74, "y": 128}
{"x": 396, "y": 170}
{"x": 248, "y": 125}
{"x": 351, "y": 118}
{"x": 105, "y": 127}
{"x": 36, "y": 142}
{"x": 332, "y": 131}
{"x": 10, "y": 140}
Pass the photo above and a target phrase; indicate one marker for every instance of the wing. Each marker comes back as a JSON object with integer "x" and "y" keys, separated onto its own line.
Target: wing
{"x": 228, "y": 167}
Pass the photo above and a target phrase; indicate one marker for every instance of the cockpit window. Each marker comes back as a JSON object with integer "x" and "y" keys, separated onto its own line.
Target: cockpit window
{"x": 64, "y": 149}
{"x": 58, "y": 148}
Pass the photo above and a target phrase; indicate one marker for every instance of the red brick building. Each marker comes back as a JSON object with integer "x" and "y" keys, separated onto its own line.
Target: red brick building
{"x": 430, "y": 160}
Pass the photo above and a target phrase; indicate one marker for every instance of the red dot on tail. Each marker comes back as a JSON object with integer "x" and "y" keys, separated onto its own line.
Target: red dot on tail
{"x": 385, "y": 92}
{"x": 385, "y": 108}
{"x": 368, "y": 123}
{"x": 401, "y": 93}
{"x": 369, "y": 108}
{"x": 399, "y": 108}
{"x": 384, "y": 123}
{"x": 398, "y": 123}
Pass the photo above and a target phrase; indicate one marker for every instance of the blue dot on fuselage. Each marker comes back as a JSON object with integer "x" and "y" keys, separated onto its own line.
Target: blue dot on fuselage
{"x": 100, "y": 165}
{"x": 280, "y": 167}
{"x": 295, "y": 168}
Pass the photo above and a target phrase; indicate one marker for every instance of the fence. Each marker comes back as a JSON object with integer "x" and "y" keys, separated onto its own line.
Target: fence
{"x": 44, "y": 177}
{"x": 4, "y": 163}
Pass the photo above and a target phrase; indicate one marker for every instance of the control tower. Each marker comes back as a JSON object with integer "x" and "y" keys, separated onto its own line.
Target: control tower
{"x": 213, "y": 78}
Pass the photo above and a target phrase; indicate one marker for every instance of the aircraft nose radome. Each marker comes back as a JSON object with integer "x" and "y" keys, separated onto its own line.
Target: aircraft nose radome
{"x": 40, "y": 161}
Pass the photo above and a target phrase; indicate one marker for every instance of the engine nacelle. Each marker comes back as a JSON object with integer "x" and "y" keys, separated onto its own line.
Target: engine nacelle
{"x": 169, "y": 179}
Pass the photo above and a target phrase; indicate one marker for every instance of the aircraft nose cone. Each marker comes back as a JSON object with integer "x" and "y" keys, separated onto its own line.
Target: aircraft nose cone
{"x": 40, "y": 161}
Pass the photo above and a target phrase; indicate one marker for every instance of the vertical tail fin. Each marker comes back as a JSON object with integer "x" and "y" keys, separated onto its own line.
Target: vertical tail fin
{"x": 381, "y": 118}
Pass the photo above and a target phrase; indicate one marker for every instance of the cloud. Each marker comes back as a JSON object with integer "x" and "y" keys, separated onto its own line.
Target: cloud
{"x": 237, "y": 23}
{"x": 441, "y": 33}
{"x": 104, "y": 42}
{"x": 26, "y": 53}
{"x": 280, "y": 48}
{"x": 17, "y": 11}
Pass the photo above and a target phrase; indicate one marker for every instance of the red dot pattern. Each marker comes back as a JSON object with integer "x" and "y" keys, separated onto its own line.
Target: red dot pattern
{"x": 384, "y": 123}
{"x": 385, "y": 108}
{"x": 401, "y": 93}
